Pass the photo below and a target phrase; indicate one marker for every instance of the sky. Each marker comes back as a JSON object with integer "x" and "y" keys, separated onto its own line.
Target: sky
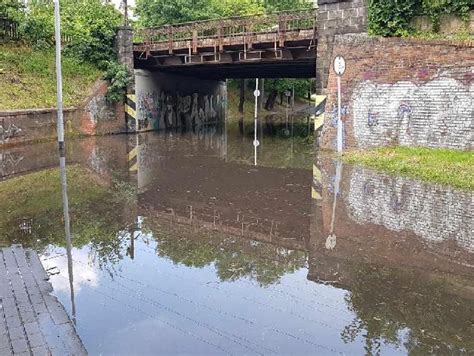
{"x": 130, "y": 3}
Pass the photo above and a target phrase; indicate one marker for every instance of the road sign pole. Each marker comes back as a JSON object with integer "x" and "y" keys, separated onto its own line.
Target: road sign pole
{"x": 59, "y": 78}
{"x": 339, "y": 121}
{"x": 339, "y": 68}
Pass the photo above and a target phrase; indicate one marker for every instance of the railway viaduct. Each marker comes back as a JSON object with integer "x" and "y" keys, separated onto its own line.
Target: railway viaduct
{"x": 194, "y": 59}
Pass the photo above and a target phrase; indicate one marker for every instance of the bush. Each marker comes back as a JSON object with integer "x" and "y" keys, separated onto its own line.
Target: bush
{"x": 392, "y": 17}
{"x": 88, "y": 27}
{"x": 119, "y": 77}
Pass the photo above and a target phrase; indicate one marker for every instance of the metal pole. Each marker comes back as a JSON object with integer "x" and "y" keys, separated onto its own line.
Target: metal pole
{"x": 339, "y": 122}
{"x": 59, "y": 79}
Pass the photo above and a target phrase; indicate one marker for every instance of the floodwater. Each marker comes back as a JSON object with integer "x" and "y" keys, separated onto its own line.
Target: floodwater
{"x": 182, "y": 245}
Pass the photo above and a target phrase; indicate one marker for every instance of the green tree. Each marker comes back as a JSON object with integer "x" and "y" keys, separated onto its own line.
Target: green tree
{"x": 169, "y": 12}
{"x": 10, "y": 8}
{"x": 286, "y": 5}
{"x": 88, "y": 26}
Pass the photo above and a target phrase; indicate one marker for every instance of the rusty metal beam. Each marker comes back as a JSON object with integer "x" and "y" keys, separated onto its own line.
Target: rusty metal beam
{"x": 246, "y": 31}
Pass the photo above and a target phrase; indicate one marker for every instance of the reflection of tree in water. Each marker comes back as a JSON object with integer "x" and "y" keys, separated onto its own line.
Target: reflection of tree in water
{"x": 33, "y": 212}
{"x": 293, "y": 152}
{"x": 233, "y": 257}
{"x": 388, "y": 302}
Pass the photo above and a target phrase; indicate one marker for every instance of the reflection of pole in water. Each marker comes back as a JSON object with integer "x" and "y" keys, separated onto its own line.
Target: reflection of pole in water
{"x": 62, "y": 152}
{"x": 287, "y": 95}
{"x": 67, "y": 229}
{"x": 131, "y": 248}
{"x": 255, "y": 127}
{"x": 331, "y": 240}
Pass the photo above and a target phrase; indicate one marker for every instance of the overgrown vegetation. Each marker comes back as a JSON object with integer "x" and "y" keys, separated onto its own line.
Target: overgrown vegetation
{"x": 88, "y": 30}
{"x": 88, "y": 26}
{"x": 163, "y": 12}
{"x": 449, "y": 167}
{"x": 119, "y": 78}
{"x": 393, "y": 17}
{"x": 27, "y": 78}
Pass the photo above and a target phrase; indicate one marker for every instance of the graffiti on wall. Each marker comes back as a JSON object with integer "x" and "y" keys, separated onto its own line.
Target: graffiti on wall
{"x": 8, "y": 131}
{"x": 437, "y": 113}
{"x": 9, "y": 162}
{"x": 96, "y": 111}
{"x": 400, "y": 203}
{"x": 164, "y": 110}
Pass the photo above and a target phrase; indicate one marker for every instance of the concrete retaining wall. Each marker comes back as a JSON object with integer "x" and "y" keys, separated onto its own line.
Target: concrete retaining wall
{"x": 95, "y": 117}
{"x": 449, "y": 24}
{"x": 402, "y": 92}
{"x": 18, "y": 126}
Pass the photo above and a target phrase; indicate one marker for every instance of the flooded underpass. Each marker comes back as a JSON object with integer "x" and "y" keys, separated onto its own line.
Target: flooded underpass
{"x": 181, "y": 244}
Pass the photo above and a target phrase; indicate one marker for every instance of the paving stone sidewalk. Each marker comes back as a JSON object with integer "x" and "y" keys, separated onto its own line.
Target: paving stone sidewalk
{"x": 32, "y": 321}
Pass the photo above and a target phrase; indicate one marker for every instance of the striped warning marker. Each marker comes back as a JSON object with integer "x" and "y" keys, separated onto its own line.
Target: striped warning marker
{"x": 133, "y": 160}
{"x": 320, "y": 103}
{"x": 317, "y": 184}
{"x": 131, "y": 112}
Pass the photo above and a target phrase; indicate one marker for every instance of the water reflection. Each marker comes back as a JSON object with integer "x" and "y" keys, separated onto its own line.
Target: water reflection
{"x": 67, "y": 229}
{"x": 181, "y": 236}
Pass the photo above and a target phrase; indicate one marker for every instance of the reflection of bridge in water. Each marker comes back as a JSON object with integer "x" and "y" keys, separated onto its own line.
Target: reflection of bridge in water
{"x": 208, "y": 186}
{"x": 395, "y": 275}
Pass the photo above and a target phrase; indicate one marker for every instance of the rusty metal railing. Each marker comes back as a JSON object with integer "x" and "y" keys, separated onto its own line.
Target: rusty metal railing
{"x": 220, "y": 32}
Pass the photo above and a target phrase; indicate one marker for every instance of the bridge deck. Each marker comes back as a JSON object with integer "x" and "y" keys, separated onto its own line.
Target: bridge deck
{"x": 279, "y": 37}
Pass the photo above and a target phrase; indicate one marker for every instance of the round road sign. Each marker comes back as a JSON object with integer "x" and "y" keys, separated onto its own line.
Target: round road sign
{"x": 339, "y": 65}
{"x": 256, "y": 143}
{"x": 256, "y": 93}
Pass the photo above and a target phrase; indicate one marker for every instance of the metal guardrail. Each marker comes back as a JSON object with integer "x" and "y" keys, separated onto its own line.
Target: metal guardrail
{"x": 217, "y": 33}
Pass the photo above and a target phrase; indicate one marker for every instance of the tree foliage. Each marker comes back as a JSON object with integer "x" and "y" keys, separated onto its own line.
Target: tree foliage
{"x": 88, "y": 26}
{"x": 10, "y": 8}
{"x": 162, "y": 12}
{"x": 300, "y": 86}
{"x": 119, "y": 78}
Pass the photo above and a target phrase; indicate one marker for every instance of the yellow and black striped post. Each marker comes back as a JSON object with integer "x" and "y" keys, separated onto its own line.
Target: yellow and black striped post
{"x": 316, "y": 187}
{"x": 133, "y": 159}
{"x": 131, "y": 113}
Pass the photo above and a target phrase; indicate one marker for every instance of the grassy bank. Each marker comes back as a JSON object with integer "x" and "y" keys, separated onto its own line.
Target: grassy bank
{"x": 449, "y": 167}
{"x": 28, "y": 80}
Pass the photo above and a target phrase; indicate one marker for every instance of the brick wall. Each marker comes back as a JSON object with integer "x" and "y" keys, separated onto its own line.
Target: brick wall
{"x": 403, "y": 92}
{"x": 336, "y": 17}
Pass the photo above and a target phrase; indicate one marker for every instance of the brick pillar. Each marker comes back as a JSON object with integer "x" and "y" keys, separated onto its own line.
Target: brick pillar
{"x": 124, "y": 47}
{"x": 336, "y": 17}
